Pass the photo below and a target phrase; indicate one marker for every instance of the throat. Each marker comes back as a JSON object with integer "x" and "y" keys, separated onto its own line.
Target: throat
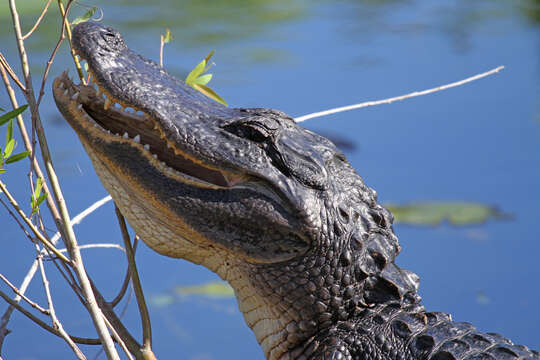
{"x": 273, "y": 320}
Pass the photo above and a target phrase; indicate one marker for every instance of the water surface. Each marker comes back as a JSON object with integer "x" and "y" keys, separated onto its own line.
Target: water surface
{"x": 479, "y": 142}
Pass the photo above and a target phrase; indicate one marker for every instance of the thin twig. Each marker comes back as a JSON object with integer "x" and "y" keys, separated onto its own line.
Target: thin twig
{"x": 16, "y": 219}
{"x": 161, "y": 46}
{"x": 141, "y": 302}
{"x": 67, "y": 26}
{"x": 397, "y": 98}
{"x": 38, "y": 321}
{"x": 5, "y": 66}
{"x": 96, "y": 246}
{"x": 30, "y": 302}
{"x": 36, "y": 232}
{"x": 55, "y": 50}
{"x": 80, "y": 216}
{"x": 127, "y": 278}
{"x": 57, "y": 324}
{"x": 33, "y": 268}
{"x": 34, "y": 164}
{"x": 70, "y": 239}
{"x": 118, "y": 339}
{"x": 132, "y": 344}
{"x": 38, "y": 21}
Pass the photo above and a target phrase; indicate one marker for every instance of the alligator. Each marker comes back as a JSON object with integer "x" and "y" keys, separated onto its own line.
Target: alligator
{"x": 272, "y": 208}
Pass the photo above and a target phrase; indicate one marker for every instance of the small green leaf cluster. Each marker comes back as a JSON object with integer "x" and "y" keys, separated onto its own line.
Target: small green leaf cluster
{"x": 87, "y": 15}
{"x": 37, "y": 196}
{"x": 167, "y": 38}
{"x": 198, "y": 81}
{"x": 6, "y": 155}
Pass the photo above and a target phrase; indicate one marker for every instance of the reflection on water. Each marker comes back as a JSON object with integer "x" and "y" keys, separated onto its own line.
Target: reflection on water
{"x": 196, "y": 23}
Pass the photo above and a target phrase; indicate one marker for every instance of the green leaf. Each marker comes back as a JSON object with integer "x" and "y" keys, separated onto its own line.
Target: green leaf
{"x": 210, "y": 93}
{"x": 199, "y": 69}
{"x": 39, "y": 185}
{"x": 202, "y": 80}
{"x": 9, "y": 148}
{"x": 2, "y": 109}
{"x": 9, "y": 132}
{"x": 36, "y": 195}
{"x": 2, "y": 170}
{"x": 167, "y": 37}
{"x": 17, "y": 157}
{"x": 10, "y": 115}
{"x": 87, "y": 15}
{"x": 40, "y": 199}
{"x": 434, "y": 213}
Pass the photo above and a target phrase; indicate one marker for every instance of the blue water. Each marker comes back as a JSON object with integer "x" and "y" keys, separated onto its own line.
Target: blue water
{"x": 479, "y": 142}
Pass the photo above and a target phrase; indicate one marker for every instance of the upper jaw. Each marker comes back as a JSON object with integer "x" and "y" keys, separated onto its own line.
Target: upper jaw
{"x": 96, "y": 118}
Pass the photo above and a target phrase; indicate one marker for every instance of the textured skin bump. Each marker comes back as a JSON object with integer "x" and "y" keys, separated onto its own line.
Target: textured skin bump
{"x": 299, "y": 236}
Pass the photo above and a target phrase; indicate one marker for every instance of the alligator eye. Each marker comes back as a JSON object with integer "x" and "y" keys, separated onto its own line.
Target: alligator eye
{"x": 250, "y": 130}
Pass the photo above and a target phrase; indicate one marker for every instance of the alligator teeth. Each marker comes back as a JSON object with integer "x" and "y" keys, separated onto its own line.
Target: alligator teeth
{"x": 155, "y": 126}
{"x": 107, "y": 104}
{"x": 79, "y": 107}
{"x": 146, "y": 147}
{"x": 66, "y": 92}
{"x": 168, "y": 145}
{"x": 125, "y": 136}
{"x": 154, "y": 156}
{"x": 137, "y": 138}
{"x": 75, "y": 96}
{"x": 61, "y": 86}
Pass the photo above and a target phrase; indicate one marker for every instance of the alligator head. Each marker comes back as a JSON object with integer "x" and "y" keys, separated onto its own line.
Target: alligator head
{"x": 272, "y": 208}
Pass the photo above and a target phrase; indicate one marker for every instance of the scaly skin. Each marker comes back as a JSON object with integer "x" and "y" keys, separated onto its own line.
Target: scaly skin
{"x": 272, "y": 208}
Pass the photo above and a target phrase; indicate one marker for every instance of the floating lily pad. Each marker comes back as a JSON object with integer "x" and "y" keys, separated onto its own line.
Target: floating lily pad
{"x": 434, "y": 213}
{"x": 214, "y": 289}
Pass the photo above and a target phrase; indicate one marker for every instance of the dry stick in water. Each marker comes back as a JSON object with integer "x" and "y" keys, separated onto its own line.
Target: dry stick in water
{"x": 397, "y": 98}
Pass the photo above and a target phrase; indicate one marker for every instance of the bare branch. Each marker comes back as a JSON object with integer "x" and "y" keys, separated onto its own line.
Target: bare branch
{"x": 6, "y": 67}
{"x": 30, "y": 302}
{"x": 80, "y": 216}
{"x": 67, "y": 27}
{"x": 141, "y": 302}
{"x": 41, "y": 323}
{"x": 34, "y": 164}
{"x": 132, "y": 344}
{"x": 70, "y": 239}
{"x": 38, "y": 21}
{"x": 125, "y": 284}
{"x": 55, "y": 50}
{"x": 16, "y": 219}
{"x": 57, "y": 324}
{"x": 98, "y": 246}
{"x": 28, "y": 222}
{"x": 397, "y": 98}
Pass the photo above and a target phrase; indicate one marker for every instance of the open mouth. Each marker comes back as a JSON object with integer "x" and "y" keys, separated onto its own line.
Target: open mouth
{"x": 91, "y": 106}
